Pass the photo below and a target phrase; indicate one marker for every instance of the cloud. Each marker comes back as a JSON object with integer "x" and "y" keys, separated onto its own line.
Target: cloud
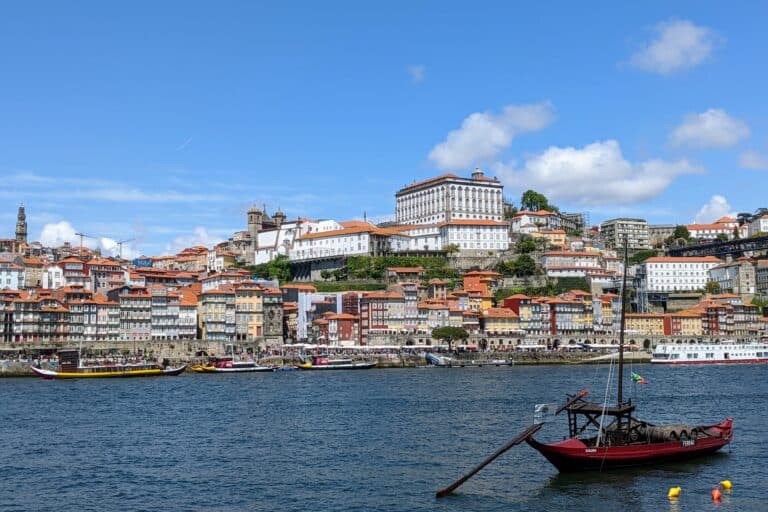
{"x": 417, "y": 73}
{"x": 679, "y": 45}
{"x": 753, "y": 160}
{"x": 711, "y": 129}
{"x": 716, "y": 207}
{"x": 597, "y": 174}
{"x": 483, "y": 135}
{"x": 200, "y": 236}
{"x": 56, "y": 234}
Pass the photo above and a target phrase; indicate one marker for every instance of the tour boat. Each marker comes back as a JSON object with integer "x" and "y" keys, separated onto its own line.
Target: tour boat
{"x": 71, "y": 367}
{"x": 227, "y": 365}
{"x": 725, "y": 352}
{"x": 323, "y": 363}
{"x": 605, "y": 437}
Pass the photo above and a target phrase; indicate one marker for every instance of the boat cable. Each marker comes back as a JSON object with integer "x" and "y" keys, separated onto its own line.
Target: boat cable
{"x": 605, "y": 403}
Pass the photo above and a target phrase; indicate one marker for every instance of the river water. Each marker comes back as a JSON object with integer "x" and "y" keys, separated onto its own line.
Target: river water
{"x": 358, "y": 441}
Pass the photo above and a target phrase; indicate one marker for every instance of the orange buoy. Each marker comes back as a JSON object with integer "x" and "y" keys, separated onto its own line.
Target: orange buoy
{"x": 674, "y": 492}
{"x": 716, "y": 494}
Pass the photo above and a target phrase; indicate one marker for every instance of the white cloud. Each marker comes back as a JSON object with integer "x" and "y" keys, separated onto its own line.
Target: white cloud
{"x": 753, "y": 160}
{"x": 200, "y": 236}
{"x": 483, "y": 135}
{"x": 417, "y": 72}
{"x": 679, "y": 45}
{"x": 711, "y": 129}
{"x": 716, "y": 207}
{"x": 596, "y": 174}
{"x": 56, "y": 234}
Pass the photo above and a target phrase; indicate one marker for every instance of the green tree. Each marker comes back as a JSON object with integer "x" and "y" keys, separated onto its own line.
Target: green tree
{"x": 526, "y": 246}
{"x": 325, "y": 274}
{"x": 280, "y": 268}
{"x": 523, "y": 266}
{"x": 641, "y": 256}
{"x": 533, "y": 201}
{"x": 736, "y": 234}
{"x": 681, "y": 232}
{"x": 449, "y": 334}
{"x": 451, "y": 249}
{"x": 712, "y": 287}
{"x": 722, "y": 237}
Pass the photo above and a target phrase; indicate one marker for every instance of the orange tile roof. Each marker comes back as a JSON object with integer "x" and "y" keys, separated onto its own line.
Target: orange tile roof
{"x": 299, "y": 286}
{"x": 427, "y": 181}
{"x": 405, "y": 270}
{"x": 572, "y": 253}
{"x": 500, "y": 313}
{"x": 539, "y": 213}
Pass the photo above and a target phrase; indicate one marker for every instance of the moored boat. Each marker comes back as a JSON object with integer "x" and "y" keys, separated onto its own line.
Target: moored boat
{"x": 228, "y": 365}
{"x": 603, "y": 437}
{"x": 323, "y": 363}
{"x": 725, "y": 352}
{"x": 71, "y": 367}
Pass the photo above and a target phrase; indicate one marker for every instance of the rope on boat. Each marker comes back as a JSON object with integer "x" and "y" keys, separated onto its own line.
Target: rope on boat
{"x": 605, "y": 403}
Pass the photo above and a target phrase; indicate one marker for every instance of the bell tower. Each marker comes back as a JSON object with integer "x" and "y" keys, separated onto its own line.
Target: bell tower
{"x": 21, "y": 225}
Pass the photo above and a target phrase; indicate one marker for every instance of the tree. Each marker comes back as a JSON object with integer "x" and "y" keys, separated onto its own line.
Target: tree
{"x": 451, "y": 249}
{"x": 325, "y": 274}
{"x": 280, "y": 268}
{"x": 524, "y": 265}
{"x": 526, "y": 246}
{"x": 681, "y": 232}
{"x": 533, "y": 201}
{"x": 712, "y": 287}
{"x": 722, "y": 237}
{"x": 449, "y": 334}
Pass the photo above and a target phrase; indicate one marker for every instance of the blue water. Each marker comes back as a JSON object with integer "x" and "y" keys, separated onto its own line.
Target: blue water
{"x": 349, "y": 441}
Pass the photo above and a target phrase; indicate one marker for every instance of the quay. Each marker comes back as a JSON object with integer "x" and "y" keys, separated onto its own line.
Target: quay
{"x": 15, "y": 359}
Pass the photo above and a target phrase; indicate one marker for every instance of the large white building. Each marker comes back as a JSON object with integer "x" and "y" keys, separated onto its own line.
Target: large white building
{"x": 448, "y": 197}
{"x": 676, "y": 274}
{"x": 759, "y": 225}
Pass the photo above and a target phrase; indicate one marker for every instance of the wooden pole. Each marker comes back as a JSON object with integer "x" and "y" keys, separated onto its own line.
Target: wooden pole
{"x": 519, "y": 439}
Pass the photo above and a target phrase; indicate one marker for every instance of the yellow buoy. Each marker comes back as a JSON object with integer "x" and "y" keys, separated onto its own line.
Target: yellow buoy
{"x": 716, "y": 494}
{"x": 674, "y": 492}
{"x": 726, "y": 484}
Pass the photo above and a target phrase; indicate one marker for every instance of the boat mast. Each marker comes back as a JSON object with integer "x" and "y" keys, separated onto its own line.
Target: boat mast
{"x": 623, "y": 320}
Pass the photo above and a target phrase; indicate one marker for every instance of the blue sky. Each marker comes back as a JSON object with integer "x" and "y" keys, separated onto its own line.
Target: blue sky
{"x": 165, "y": 121}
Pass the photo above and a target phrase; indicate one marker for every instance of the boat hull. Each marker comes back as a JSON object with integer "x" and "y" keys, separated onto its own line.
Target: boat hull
{"x": 245, "y": 369}
{"x": 116, "y": 372}
{"x": 573, "y": 455}
{"x": 351, "y": 366}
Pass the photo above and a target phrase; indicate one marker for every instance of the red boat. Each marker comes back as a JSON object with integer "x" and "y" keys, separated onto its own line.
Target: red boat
{"x": 627, "y": 441}
{"x": 606, "y": 437}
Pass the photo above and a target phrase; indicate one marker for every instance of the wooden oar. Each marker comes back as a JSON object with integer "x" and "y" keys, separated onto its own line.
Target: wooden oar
{"x": 519, "y": 439}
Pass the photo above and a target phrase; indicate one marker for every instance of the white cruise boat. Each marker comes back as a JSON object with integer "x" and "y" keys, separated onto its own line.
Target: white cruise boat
{"x": 726, "y": 352}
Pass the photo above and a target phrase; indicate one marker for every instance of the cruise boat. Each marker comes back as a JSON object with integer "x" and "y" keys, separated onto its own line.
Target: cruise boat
{"x": 229, "y": 365}
{"x": 71, "y": 367}
{"x": 323, "y": 363}
{"x": 726, "y": 352}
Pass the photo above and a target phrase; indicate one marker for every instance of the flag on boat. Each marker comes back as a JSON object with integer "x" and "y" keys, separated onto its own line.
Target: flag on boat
{"x": 542, "y": 412}
{"x": 639, "y": 379}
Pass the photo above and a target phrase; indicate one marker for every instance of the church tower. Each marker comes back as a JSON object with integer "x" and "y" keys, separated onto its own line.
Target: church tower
{"x": 255, "y": 223}
{"x": 21, "y": 225}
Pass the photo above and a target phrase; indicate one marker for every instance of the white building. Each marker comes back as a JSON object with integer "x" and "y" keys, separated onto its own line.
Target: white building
{"x": 722, "y": 226}
{"x": 675, "y": 274}
{"x": 11, "y": 276}
{"x": 759, "y": 225}
{"x": 528, "y": 222}
{"x": 53, "y": 277}
{"x": 572, "y": 263}
{"x": 448, "y": 197}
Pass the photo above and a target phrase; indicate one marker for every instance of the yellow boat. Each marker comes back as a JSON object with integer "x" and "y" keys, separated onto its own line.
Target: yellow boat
{"x": 69, "y": 361}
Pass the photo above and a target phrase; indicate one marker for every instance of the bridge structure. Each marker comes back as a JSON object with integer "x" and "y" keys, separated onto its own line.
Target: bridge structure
{"x": 731, "y": 247}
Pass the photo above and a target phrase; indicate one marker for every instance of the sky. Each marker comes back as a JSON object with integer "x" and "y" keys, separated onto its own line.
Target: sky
{"x": 163, "y": 122}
